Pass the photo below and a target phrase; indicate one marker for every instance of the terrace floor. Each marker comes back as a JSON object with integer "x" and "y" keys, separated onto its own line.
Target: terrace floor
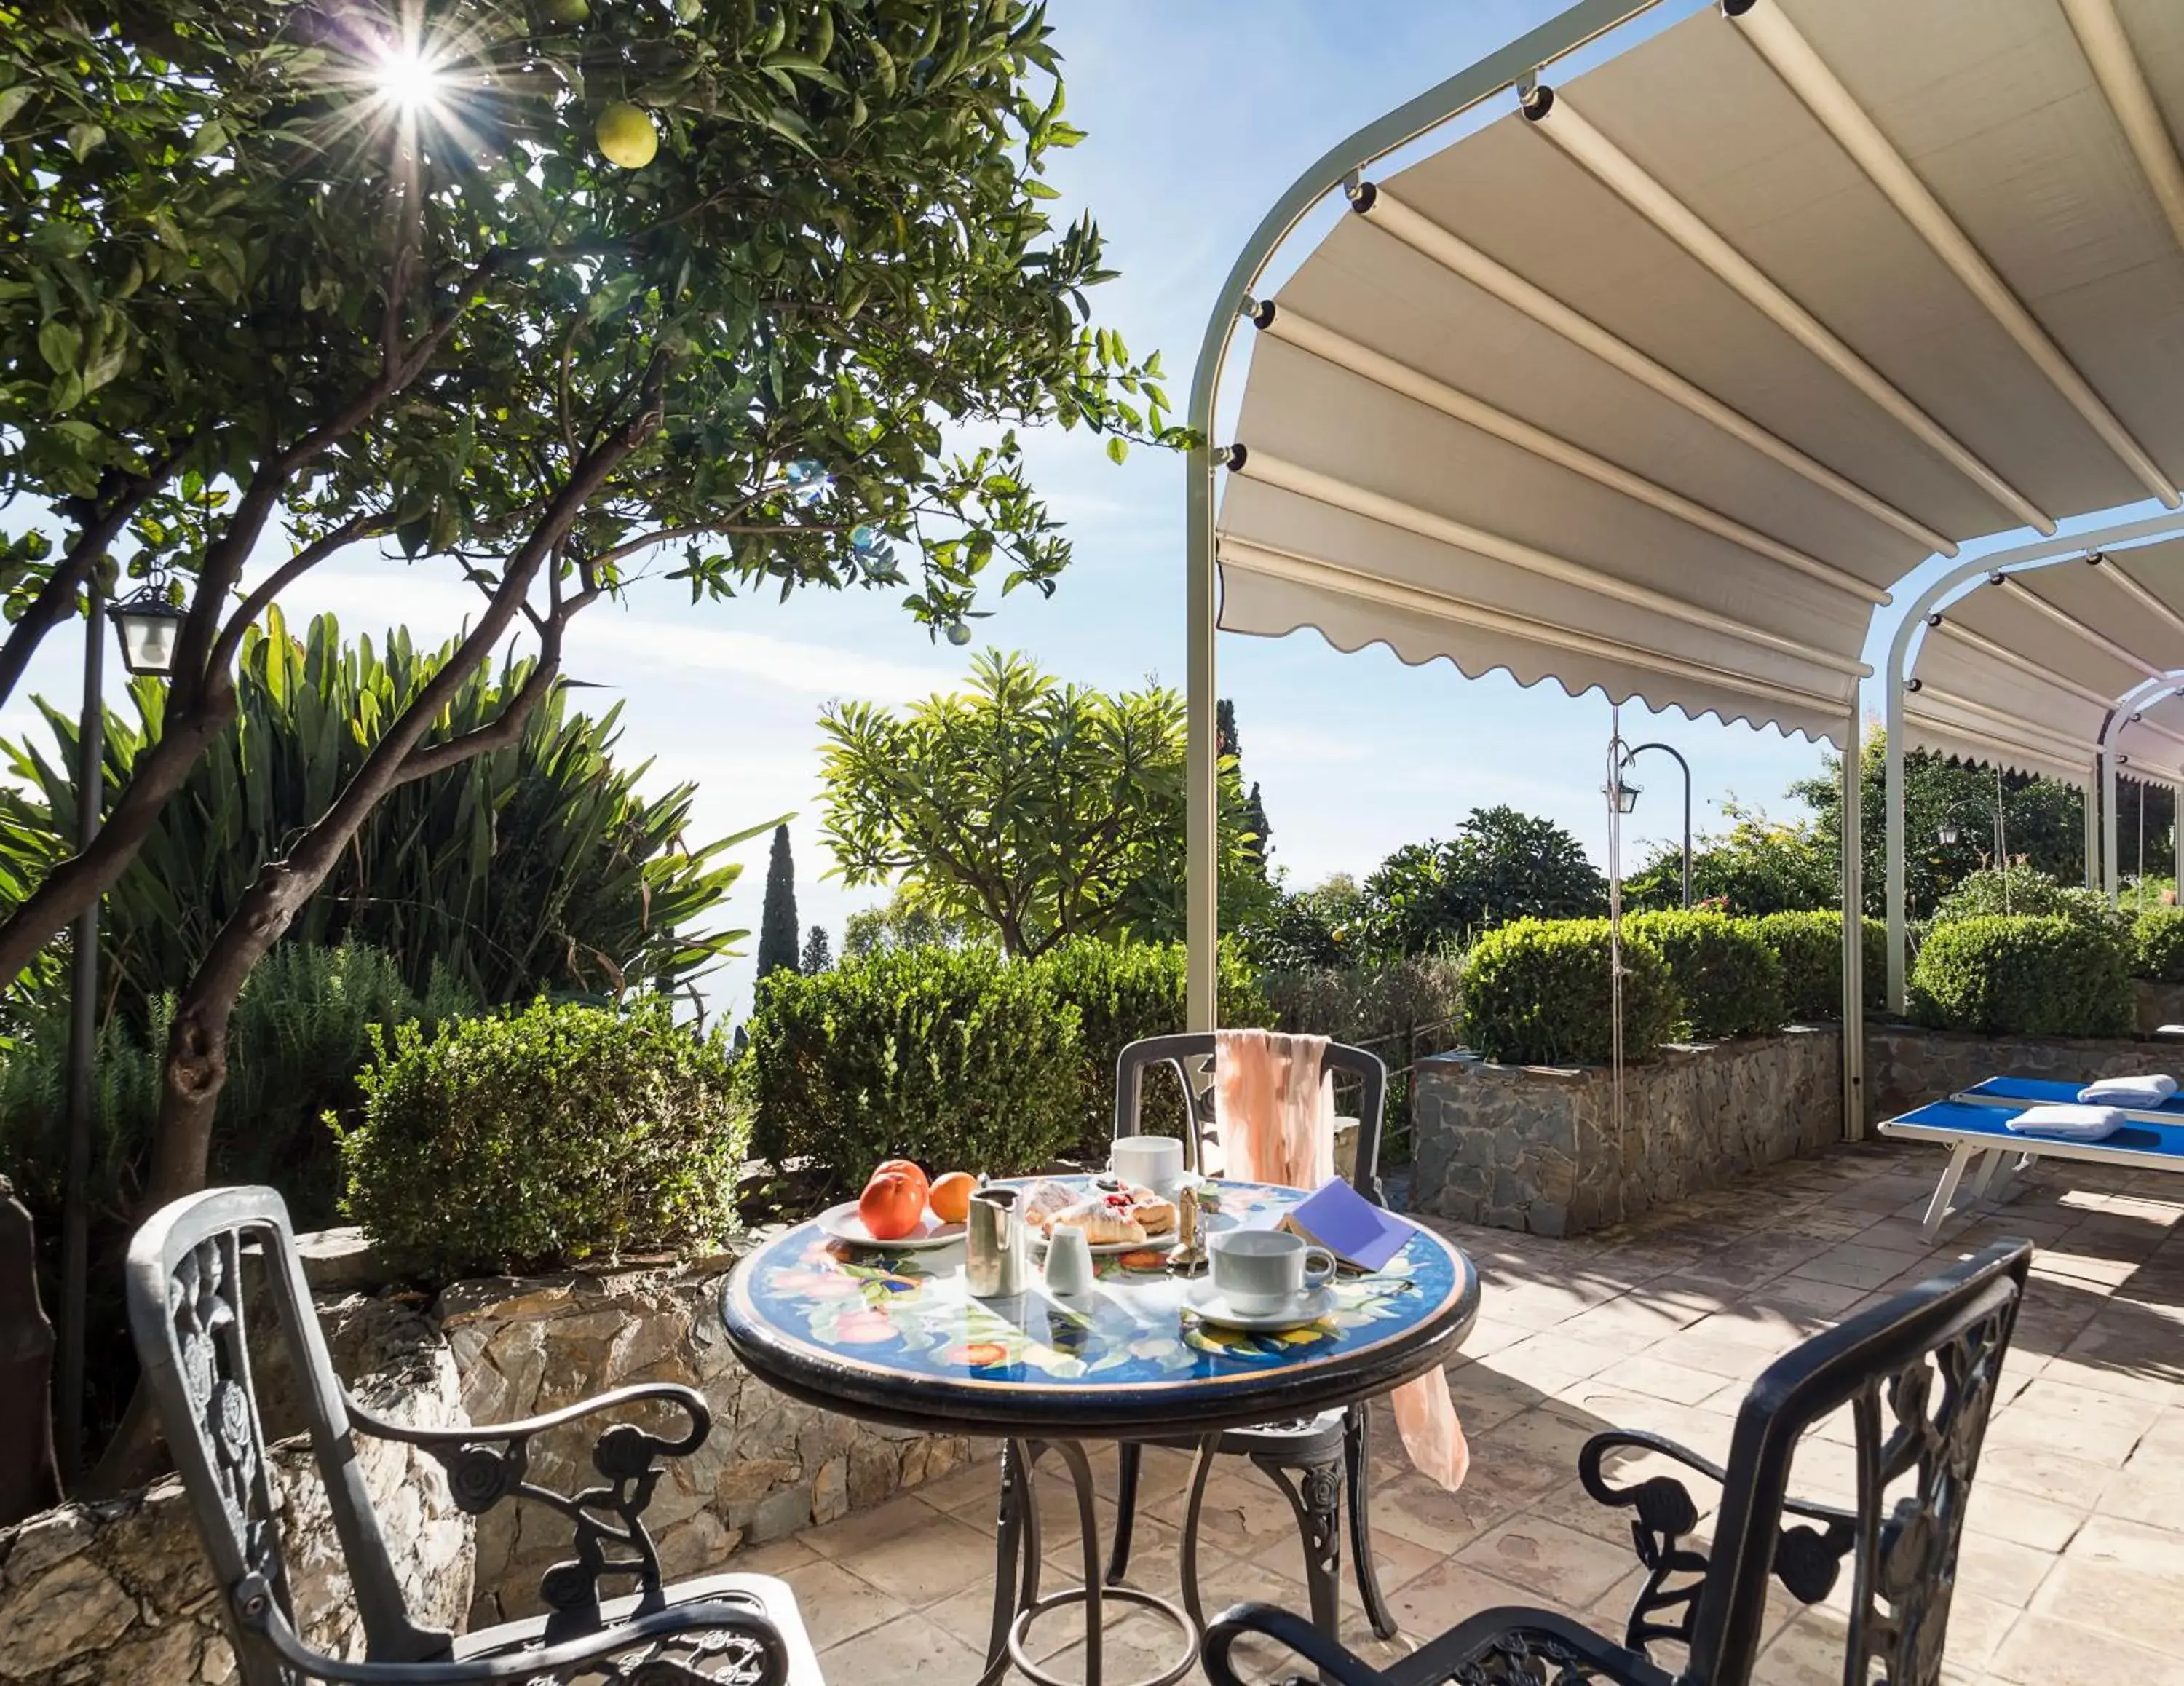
{"x": 2072, "y": 1564}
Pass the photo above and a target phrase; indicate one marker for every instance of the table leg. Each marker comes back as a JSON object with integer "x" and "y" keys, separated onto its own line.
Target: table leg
{"x": 1315, "y": 1493}
{"x": 1018, "y": 1519}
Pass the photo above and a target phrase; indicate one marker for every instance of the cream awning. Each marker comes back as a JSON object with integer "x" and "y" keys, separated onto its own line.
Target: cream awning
{"x": 1659, "y": 383}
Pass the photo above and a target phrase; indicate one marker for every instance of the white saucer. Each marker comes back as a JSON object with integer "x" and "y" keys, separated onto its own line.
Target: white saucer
{"x": 1308, "y": 1307}
{"x": 1110, "y": 1250}
{"x": 842, "y": 1223}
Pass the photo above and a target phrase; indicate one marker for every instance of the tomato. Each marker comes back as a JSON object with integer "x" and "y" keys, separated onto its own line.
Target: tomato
{"x": 903, "y": 1167}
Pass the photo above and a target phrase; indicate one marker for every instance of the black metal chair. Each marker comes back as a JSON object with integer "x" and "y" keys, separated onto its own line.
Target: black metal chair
{"x": 1918, "y": 1374}
{"x": 186, "y": 1310}
{"x": 1316, "y": 1461}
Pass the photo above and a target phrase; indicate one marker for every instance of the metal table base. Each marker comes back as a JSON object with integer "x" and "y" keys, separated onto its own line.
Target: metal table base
{"x": 1017, "y": 1603}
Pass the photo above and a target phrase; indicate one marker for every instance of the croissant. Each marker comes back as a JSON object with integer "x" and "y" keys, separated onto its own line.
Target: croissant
{"x": 1155, "y": 1216}
{"x": 1103, "y": 1223}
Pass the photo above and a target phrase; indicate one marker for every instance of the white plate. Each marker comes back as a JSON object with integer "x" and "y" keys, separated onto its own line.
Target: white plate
{"x": 842, "y": 1224}
{"x": 1308, "y": 1307}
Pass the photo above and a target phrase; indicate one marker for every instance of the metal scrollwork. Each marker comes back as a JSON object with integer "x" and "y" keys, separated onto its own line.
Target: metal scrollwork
{"x": 205, "y": 1299}
{"x": 1936, "y": 1410}
{"x": 1520, "y": 1657}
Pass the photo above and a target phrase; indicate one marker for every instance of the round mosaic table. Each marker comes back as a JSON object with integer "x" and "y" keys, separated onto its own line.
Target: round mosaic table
{"x": 894, "y": 1337}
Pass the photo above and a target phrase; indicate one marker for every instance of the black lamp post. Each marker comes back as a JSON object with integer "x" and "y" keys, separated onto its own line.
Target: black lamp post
{"x": 1627, "y": 799}
{"x": 145, "y": 625}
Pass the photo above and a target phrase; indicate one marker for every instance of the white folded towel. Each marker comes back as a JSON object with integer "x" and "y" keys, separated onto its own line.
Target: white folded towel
{"x": 2065, "y": 1123}
{"x": 2150, "y": 1090}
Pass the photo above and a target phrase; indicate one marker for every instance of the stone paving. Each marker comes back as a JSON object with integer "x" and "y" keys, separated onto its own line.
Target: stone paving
{"x": 2073, "y": 1557}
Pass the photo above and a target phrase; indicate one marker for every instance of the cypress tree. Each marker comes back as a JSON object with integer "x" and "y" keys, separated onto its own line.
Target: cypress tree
{"x": 1224, "y": 730}
{"x": 818, "y": 951}
{"x": 777, "y": 925}
{"x": 1255, "y": 822}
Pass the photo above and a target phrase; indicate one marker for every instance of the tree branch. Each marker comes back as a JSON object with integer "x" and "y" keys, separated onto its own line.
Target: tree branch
{"x": 319, "y": 550}
{"x": 56, "y": 599}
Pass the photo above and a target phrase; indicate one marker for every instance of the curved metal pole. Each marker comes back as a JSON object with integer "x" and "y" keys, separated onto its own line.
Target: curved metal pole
{"x": 1632, "y": 754}
{"x": 1559, "y": 35}
{"x": 1898, "y": 670}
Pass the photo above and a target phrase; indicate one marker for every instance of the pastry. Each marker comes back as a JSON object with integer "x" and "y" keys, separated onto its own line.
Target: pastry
{"x": 1045, "y": 1201}
{"x": 1155, "y": 1216}
{"x": 1106, "y": 1221}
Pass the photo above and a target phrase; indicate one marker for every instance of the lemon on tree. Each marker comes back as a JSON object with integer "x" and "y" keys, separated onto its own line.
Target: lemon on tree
{"x": 626, "y": 134}
{"x": 568, "y": 11}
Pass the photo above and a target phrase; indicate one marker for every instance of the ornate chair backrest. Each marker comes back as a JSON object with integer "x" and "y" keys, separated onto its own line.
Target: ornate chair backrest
{"x": 1919, "y": 1375}
{"x": 1190, "y": 1054}
{"x": 185, "y": 1294}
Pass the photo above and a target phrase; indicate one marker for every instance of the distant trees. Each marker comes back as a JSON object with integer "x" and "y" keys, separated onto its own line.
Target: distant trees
{"x": 777, "y": 921}
{"x": 1500, "y": 865}
{"x": 818, "y": 953}
{"x": 1759, "y": 866}
{"x": 1035, "y": 810}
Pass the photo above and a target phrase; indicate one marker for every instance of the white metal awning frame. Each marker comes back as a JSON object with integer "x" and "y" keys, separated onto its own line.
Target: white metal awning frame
{"x": 1818, "y": 693}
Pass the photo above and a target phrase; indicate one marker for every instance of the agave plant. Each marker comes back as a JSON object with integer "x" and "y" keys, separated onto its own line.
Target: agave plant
{"x": 537, "y": 867}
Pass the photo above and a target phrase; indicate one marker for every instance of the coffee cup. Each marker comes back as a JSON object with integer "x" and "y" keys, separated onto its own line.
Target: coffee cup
{"x": 1154, "y": 1162}
{"x": 1266, "y": 1270}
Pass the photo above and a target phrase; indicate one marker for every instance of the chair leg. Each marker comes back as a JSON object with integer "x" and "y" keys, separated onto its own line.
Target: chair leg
{"x": 1127, "y": 1455}
{"x": 1202, "y": 1467}
{"x": 1357, "y": 1461}
{"x": 1315, "y": 1493}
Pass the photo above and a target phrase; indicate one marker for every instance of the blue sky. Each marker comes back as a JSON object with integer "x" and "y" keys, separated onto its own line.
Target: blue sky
{"x": 1199, "y": 115}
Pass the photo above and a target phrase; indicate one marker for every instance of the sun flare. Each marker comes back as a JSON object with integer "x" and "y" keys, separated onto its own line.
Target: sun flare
{"x": 410, "y": 79}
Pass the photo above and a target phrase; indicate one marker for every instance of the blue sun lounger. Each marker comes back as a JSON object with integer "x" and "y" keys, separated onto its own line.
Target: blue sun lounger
{"x": 1974, "y": 1125}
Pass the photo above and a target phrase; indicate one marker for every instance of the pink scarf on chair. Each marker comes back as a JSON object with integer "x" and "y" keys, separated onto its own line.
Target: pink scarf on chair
{"x": 1273, "y": 1107}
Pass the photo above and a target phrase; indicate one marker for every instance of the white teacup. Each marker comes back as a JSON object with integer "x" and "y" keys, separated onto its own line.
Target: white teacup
{"x": 1154, "y": 1162}
{"x": 1265, "y": 1270}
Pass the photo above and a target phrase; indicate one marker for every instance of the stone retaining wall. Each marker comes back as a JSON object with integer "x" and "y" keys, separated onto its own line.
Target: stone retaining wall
{"x": 1907, "y": 1066}
{"x": 121, "y": 1592}
{"x": 1536, "y": 1147}
{"x": 770, "y": 1467}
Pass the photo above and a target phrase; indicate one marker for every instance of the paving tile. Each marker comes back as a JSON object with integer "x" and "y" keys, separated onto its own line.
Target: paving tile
{"x": 1499, "y": 1487}
{"x": 2000, "y": 1510}
{"x": 927, "y": 1563}
{"x": 837, "y": 1604}
{"x": 1555, "y": 1564}
{"x": 2040, "y": 1650}
{"x": 908, "y": 1648}
{"x": 2002, "y": 1569}
{"x": 1659, "y": 1378}
{"x": 2121, "y": 1576}
{"x": 1439, "y": 1599}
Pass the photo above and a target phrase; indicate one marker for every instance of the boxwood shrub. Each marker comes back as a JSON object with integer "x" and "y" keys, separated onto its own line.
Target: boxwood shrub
{"x": 1537, "y": 993}
{"x": 1730, "y": 981}
{"x": 1125, "y": 991}
{"x": 2022, "y": 975}
{"x": 2158, "y": 945}
{"x": 1809, "y": 946}
{"x": 562, "y": 1133}
{"x": 954, "y": 1057}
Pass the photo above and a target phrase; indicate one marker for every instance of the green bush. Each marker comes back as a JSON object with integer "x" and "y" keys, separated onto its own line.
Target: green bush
{"x": 539, "y": 1137}
{"x": 2015, "y": 974}
{"x": 2158, "y": 945}
{"x": 1730, "y": 981}
{"x": 1809, "y": 947}
{"x": 1122, "y": 992}
{"x": 957, "y": 1058}
{"x": 1538, "y": 993}
{"x": 2022, "y": 891}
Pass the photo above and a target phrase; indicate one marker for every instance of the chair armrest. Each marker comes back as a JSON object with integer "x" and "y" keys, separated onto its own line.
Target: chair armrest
{"x": 488, "y": 1462}
{"x": 260, "y": 1613}
{"x": 1334, "y": 1662}
{"x": 1807, "y": 1559}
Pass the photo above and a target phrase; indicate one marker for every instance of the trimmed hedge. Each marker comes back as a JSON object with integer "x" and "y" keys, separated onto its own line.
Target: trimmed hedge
{"x": 957, "y": 1058}
{"x": 2020, "y": 974}
{"x": 1730, "y": 980}
{"x": 2158, "y": 945}
{"x": 1538, "y": 993}
{"x": 1809, "y": 946}
{"x": 1122, "y": 992}
{"x": 528, "y": 1140}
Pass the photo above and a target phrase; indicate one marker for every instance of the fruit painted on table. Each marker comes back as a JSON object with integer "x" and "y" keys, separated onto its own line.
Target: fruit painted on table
{"x": 892, "y": 1205}
{"x": 950, "y": 1196}
{"x": 626, "y": 134}
{"x": 903, "y": 1167}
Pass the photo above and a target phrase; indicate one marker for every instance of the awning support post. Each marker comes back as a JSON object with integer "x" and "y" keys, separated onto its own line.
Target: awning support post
{"x": 1853, "y": 934}
{"x": 2094, "y": 824}
{"x": 1892, "y": 805}
{"x": 1202, "y": 765}
{"x": 2108, "y": 885}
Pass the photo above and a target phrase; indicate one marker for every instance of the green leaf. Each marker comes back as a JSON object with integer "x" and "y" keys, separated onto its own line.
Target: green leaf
{"x": 60, "y": 345}
{"x": 13, "y": 100}
{"x": 1118, "y": 447}
{"x": 82, "y": 137}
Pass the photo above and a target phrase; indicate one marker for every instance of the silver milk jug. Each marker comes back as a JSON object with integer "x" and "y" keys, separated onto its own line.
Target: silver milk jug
{"x": 994, "y": 1244}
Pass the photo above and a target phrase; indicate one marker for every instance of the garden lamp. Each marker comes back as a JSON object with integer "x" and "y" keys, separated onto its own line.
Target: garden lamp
{"x": 1623, "y": 793}
{"x": 147, "y": 625}
{"x": 1948, "y": 832}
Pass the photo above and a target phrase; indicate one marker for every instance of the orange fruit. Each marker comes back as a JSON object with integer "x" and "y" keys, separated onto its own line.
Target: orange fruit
{"x": 903, "y": 1167}
{"x": 891, "y": 1205}
{"x": 950, "y": 1196}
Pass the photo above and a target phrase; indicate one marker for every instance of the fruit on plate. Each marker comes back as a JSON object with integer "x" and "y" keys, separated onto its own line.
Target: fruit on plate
{"x": 950, "y": 1196}
{"x": 903, "y": 1167}
{"x": 892, "y": 1205}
